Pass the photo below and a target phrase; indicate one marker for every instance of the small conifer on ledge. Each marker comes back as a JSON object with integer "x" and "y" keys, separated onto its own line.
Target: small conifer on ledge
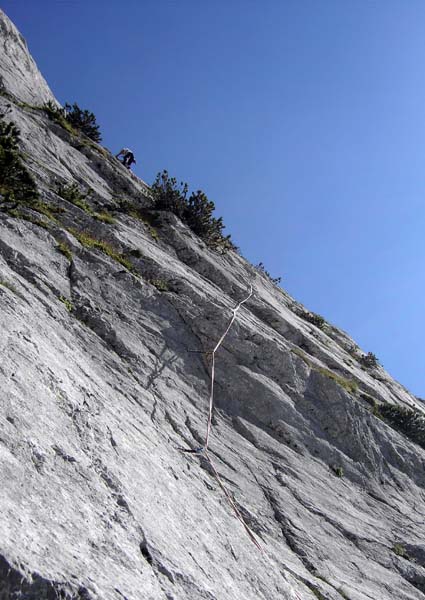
{"x": 196, "y": 211}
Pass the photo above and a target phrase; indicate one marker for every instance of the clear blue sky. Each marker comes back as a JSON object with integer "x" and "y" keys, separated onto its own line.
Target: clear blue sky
{"x": 304, "y": 120}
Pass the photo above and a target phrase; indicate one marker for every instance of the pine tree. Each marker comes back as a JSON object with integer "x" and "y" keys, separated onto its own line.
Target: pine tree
{"x": 196, "y": 212}
{"x": 169, "y": 195}
{"x": 83, "y": 120}
{"x": 16, "y": 183}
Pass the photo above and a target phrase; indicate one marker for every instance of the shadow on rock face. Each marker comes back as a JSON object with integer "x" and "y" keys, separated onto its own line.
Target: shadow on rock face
{"x": 13, "y": 584}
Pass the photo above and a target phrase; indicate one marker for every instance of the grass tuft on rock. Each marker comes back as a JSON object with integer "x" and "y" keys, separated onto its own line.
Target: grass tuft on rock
{"x": 65, "y": 250}
{"x": 104, "y": 217}
{"x": 160, "y": 284}
{"x": 400, "y": 550}
{"x": 8, "y": 286}
{"x": 348, "y": 384}
{"x": 88, "y": 241}
{"x": 68, "y": 304}
{"x": 72, "y": 193}
{"x": 19, "y": 214}
{"x": 298, "y": 352}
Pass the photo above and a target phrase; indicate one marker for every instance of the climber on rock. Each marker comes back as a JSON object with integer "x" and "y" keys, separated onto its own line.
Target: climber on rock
{"x": 127, "y": 157}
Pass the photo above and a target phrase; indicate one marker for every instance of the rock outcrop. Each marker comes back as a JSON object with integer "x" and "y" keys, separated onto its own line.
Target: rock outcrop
{"x": 108, "y": 311}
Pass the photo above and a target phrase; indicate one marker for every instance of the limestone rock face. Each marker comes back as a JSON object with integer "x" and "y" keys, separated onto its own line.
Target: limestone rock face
{"x": 19, "y": 73}
{"x": 105, "y": 334}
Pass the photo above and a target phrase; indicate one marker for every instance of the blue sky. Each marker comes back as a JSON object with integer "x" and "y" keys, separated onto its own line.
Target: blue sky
{"x": 304, "y": 121}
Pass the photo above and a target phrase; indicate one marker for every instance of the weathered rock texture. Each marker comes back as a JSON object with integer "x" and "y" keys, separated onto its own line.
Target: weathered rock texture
{"x": 103, "y": 380}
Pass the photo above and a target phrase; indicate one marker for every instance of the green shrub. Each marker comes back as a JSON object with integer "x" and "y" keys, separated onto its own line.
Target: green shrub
{"x": 83, "y": 120}
{"x": 313, "y": 318}
{"x": 58, "y": 115}
{"x": 196, "y": 211}
{"x": 338, "y": 471}
{"x": 260, "y": 267}
{"x": 369, "y": 360}
{"x": 72, "y": 193}
{"x": 74, "y": 119}
{"x": 198, "y": 215}
{"x": 136, "y": 253}
{"x": 16, "y": 183}
{"x": 410, "y": 422}
{"x": 169, "y": 195}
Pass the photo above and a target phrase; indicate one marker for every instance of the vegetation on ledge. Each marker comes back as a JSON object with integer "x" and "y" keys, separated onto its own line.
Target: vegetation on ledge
{"x": 196, "y": 211}
{"x": 16, "y": 183}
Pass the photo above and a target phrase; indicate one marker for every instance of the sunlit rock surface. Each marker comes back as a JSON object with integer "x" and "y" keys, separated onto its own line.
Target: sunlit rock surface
{"x": 105, "y": 377}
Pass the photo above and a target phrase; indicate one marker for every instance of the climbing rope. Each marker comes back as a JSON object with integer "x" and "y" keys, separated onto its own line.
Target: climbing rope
{"x": 203, "y": 450}
{"x": 217, "y": 346}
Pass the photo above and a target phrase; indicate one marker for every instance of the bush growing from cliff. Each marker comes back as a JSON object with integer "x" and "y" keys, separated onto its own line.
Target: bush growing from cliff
{"x": 170, "y": 195}
{"x": 400, "y": 550}
{"x": 260, "y": 267}
{"x": 16, "y": 183}
{"x": 369, "y": 360}
{"x": 73, "y": 118}
{"x": 313, "y": 318}
{"x": 83, "y": 120}
{"x": 338, "y": 471}
{"x": 405, "y": 420}
{"x": 196, "y": 211}
{"x": 72, "y": 193}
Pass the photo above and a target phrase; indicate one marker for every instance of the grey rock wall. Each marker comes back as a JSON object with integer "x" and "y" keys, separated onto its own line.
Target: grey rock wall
{"x": 105, "y": 377}
{"x": 19, "y": 74}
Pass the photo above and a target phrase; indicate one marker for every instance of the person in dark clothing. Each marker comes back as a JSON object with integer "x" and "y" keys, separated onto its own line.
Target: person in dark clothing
{"x": 127, "y": 157}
